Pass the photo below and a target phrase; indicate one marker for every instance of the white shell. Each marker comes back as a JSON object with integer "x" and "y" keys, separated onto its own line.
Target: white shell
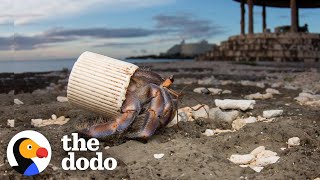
{"x": 99, "y": 83}
{"x": 241, "y": 159}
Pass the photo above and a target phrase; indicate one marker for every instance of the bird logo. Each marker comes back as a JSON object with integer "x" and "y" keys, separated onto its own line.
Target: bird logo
{"x": 29, "y": 153}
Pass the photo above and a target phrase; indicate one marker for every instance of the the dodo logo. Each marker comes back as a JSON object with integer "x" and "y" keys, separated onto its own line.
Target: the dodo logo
{"x": 29, "y": 152}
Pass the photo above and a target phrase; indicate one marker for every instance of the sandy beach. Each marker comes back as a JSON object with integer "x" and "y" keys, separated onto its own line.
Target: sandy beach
{"x": 188, "y": 154}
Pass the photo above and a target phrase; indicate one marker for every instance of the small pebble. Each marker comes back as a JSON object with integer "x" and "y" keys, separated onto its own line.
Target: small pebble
{"x": 158, "y": 156}
{"x": 17, "y": 101}
{"x": 10, "y": 122}
{"x": 208, "y": 132}
{"x": 62, "y": 99}
{"x": 294, "y": 141}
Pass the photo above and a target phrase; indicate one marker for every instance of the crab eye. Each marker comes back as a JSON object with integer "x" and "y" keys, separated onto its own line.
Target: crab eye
{"x": 29, "y": 147}
{"x": 171, "y": 78}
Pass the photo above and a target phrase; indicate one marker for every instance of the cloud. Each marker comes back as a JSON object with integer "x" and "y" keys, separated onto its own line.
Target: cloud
{"x": 187, "y": 26}
{"x": 6, "y": 43}
{"x": 103, "y": 32}
{"x": 30, "y": 11}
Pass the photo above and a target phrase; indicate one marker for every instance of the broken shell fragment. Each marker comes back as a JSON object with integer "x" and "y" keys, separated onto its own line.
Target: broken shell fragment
{"x": 18, "y": 102}
{"x": 158, "y": 156}
{"x": 10, "y": 122}
{"x": 208, "y": 132}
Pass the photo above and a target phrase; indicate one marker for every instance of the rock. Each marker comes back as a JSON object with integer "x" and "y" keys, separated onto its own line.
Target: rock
{"x": 259, "y": 96}
{"x": 309, "y": 99}
{"x": 263, "y": 161}
{"x": 242, "y": 159}
{"x": 158, "y": 156}
{"x": 256, "y": 168}
{"x": 238, "y": 124}
{"x": 250, "y": 120}
{"x": 235, "y": 104}
{"x": 258, "y": 158}
{"x": 214, "y": 91}
{"x": 201, "y": 90}
{"x": 207, "y": 81}
{"x": 260, "y": 85}
{"x": 226, "y": 92}
{"x": 218, "y": 115}
{"x": 276, "y": 84}
{"x": 208, "y": 132}
{"x": 258, "y": 150}
{"x": 272, "y": 113}
{"x": 226, "y": 82}
{"x": 184, "y": 114}
{"x": 247, "y": 83}
{"x": 294, "y": 141}
{"x": 272, "y": 91}
{"x": 17, "y": 101}
{"x": 219, "y": 131}
{"x": 36, "y": 122}
{"x": 200, "y": 112}
{"x": 11, "y": 92}
{"x": 53, "y": 116}
{"x": 62, "y": 99}
{"x": 10, "y": 122}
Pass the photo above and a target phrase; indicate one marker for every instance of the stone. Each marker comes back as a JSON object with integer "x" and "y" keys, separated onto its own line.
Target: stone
{"x": 276, "y": 84}
{"x": 264, "y": 161}
{"x": 226, "y": 82}
{"x": 62, "y": 99}
{"x": 238, "y": 124}
{"x": 184, "y": 114}
{"x": 256, "y": 168}
{"x": 258, "y": 150}
{"x": 294, "y": 141}
{"x": 10, "y": 123}
{"x": 208, "y": 132}
{"x": 200, "y": 112}
{"x": 308, "y": 99}
{"x": 259, "y": 96}
{"x": 272, "y": 113}
{"x": 36, "y": 122}
{"x": 235, "y": 104}
{"x": 218, "y": 115}
{"x": 241, "y": 159}
{"x": 214, "y": 91}
{"x": 158, "y": 156}
{"x": 272, "y": 91}
{"x": 250, "y": 120}
{"x": 53, "y": 116}
{"x": 201, "y": 90}
{"x": 260, "y": 85}
{"x": 247, "y": 83}
{"x": 18, "y": 102}
{"x": 226, "y": 92}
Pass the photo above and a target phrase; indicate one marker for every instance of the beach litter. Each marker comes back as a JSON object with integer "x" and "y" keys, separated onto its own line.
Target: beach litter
{"x": 235, "y": 104}
{"x": 256, "y": 160}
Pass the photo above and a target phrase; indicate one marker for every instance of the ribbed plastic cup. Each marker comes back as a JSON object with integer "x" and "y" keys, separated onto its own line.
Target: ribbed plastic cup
{"x": 99, "y": 83}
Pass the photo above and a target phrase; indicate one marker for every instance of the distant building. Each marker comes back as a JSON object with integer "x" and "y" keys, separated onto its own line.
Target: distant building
{"x": 189, "y": 49}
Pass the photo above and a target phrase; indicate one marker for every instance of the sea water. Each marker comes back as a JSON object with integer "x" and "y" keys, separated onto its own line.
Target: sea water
{"x": 56, "y": 65}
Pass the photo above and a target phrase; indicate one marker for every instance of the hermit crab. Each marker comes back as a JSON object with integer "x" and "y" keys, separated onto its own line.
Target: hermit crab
{"x": 121, "y": 91}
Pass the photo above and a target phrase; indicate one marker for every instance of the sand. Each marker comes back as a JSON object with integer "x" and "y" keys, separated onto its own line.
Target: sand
{"x": 187, "y": 153}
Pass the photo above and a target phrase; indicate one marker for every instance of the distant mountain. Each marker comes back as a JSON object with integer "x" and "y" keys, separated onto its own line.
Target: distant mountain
{"x": 181, "y": 51}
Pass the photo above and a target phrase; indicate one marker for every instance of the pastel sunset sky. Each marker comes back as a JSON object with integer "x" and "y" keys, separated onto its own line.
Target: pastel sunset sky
{"x": 62, "y": 29}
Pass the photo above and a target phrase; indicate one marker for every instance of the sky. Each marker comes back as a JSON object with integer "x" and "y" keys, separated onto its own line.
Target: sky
{"x": 63, "y": 29}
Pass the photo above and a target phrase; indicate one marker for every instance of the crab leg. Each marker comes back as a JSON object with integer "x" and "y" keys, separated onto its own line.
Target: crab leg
{"x": 130, "y": 110}
{"x": 168, "y": 110}
{"x": 153, "y": 115}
